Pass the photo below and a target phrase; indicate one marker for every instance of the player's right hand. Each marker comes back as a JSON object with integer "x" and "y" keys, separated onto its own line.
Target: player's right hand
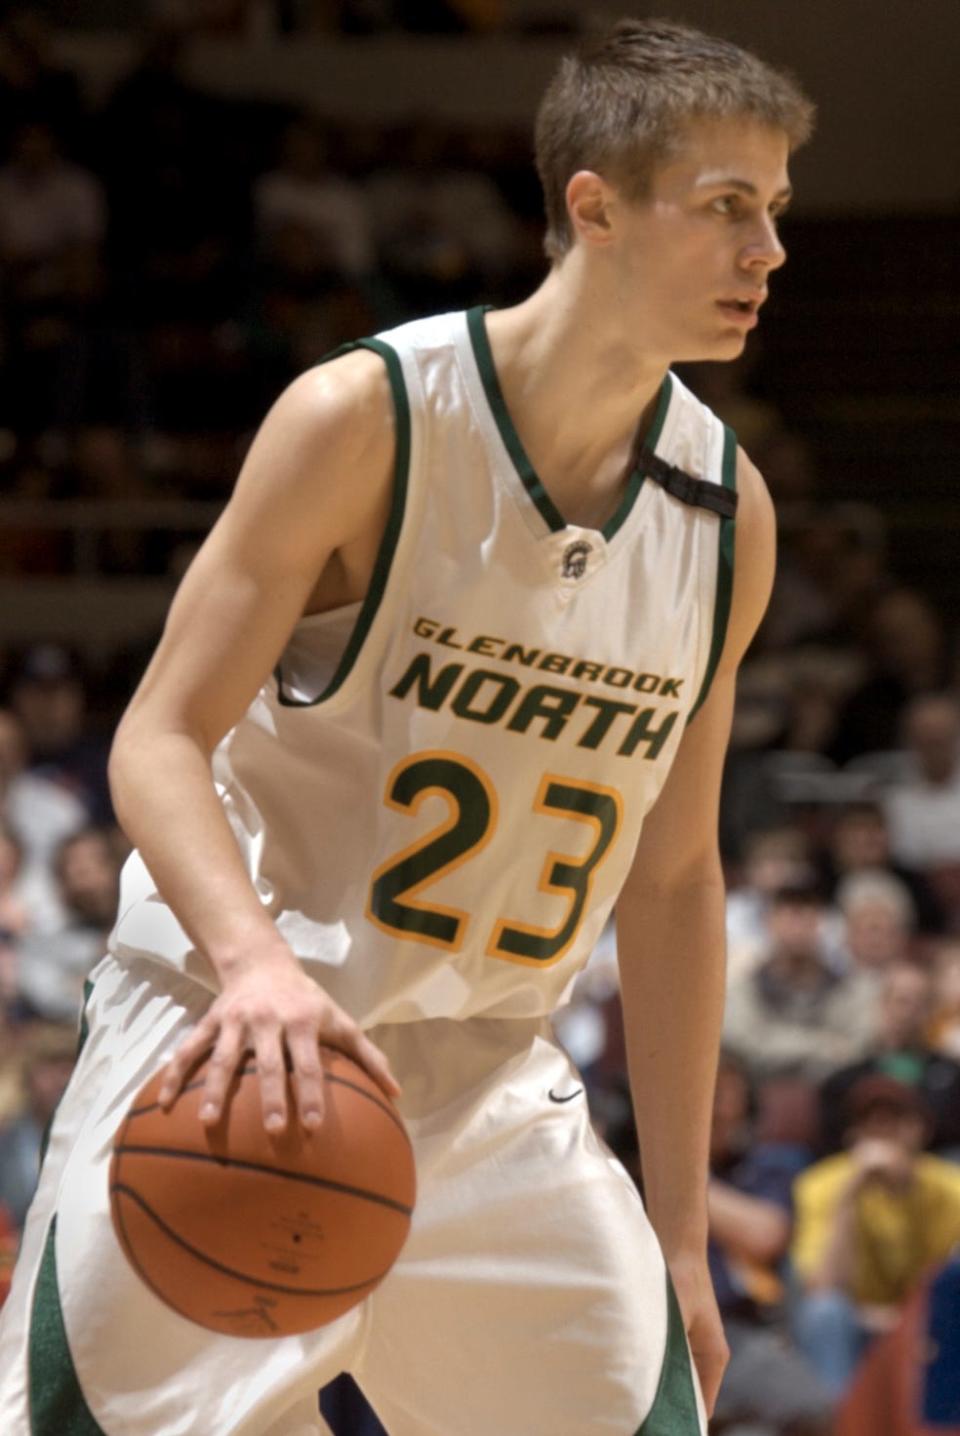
{"x": 274, "y": 1010}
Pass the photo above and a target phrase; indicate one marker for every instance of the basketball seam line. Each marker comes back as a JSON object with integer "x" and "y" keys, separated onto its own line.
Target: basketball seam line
{"x": 120, "y": 1223}
{"x": 239, "y": 1163}
{"x": 220, "y": 1266}
{"x": 328, "y": 1077}
{"x": 377, "y": 1101}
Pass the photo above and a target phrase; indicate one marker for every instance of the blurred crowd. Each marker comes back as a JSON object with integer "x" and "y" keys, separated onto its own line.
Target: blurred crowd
{"x": 257, "y": 18}
{"x": 168, "y": 261}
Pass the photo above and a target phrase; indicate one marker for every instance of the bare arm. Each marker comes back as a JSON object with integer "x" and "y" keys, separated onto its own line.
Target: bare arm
{"x": 670, "y": 925}
{"x": 315, "y": 484}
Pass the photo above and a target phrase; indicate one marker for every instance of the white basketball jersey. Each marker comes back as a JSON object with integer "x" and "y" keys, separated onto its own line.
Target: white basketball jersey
{"x": 439, "y": 792}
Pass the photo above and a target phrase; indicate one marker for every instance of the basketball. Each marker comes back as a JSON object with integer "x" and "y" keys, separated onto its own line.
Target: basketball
{"x": 260, "y": 1234}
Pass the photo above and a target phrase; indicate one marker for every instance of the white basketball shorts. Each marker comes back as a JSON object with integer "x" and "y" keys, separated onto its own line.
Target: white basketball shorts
{"x": 531, "y": 1298}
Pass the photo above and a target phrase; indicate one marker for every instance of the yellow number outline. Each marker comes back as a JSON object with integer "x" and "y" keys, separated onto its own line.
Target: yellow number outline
{"x": 553, "y": 859}
{"x": 409, "y": 894}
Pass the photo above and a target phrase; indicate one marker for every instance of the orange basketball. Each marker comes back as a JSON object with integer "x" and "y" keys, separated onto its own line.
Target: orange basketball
{"x": 258, "y": 1234}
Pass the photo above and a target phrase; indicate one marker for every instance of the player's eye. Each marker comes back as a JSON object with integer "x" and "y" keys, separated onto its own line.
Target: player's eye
{"x": 728, "y": 204}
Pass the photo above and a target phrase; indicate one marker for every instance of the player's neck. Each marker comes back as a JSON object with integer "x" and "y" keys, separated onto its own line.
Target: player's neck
{"x": 575, "y": 382}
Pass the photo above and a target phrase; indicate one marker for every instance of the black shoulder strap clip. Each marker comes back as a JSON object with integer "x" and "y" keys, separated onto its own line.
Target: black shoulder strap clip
{"x": 685, "y": 487}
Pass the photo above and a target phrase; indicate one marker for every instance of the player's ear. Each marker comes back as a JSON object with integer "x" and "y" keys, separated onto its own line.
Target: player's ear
{"x": 589, "y": 203}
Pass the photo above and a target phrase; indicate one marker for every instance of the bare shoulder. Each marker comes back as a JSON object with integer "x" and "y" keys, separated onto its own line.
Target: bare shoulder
{"x": 351, "y": 392}
{"x": 754, "y": 561}
{"x": 327, "y": 442}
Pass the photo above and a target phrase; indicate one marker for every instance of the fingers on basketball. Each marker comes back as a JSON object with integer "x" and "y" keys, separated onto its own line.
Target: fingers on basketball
{"x": 187, "y": 1054}
{"x": 362, "y": 1050}
{"x": 272, "y": 1073}
{"x": 271, "y": 1044}
{"x": 307, "y": 1075}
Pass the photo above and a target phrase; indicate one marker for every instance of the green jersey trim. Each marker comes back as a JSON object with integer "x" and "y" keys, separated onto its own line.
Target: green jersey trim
{"x": 527, "y": 474}
{"x": 57, "y": 1405}
{"x": 725, "y": 559}
{"x": 674, "y": 1410}
{"x": 391, "y": 533}
{"x": 637, "y": 476}
{"x": 498, "y": 407}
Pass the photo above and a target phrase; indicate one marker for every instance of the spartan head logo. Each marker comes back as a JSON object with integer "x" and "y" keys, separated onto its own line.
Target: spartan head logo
{"x": 575, "y": 555}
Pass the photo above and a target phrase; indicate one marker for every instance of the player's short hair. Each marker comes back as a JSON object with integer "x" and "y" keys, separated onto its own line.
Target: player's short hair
{"x": 620, "y": 104}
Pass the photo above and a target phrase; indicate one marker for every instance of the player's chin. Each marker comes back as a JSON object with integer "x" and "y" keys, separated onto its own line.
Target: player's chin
{"x": 729, "y": 344}
{"x": 726, "y": 344}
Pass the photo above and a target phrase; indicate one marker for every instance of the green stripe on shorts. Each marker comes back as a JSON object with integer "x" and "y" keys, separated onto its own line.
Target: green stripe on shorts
{"x": 84, "y": 1031}
{"x": 57, "y": 1407}
{"x": 674, "y": 1410}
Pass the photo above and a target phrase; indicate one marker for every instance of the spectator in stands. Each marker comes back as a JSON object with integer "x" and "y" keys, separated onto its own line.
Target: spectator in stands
{"x": 303, "y": 193}
{"x": 11, "y": 1085}
{"x": 52, "y": 225}
{"x": 47, "y": 1060}
{"x": 816, "y": 681}
{"x": 832, "y": 570}
{"x": 907, "y": 650}
{"x": 870, "y": 1222}
{"x": 8, "y": 1252}
{"x": 811, "y": 551}
{"x": 773, "y": 858}
{"x": 41, "y": 814}
{"x": 315, "y": 285}
{"x": 31, "y": 85}
{"x": 14, "y": 916}
{"x": 859, "y": 839}
{"x": 767, "y": 1384}
{"x": 924, "y": 808}
{"x": 901, "y": 1049}
{"x": 794, "y": 1013}
{"x": 33, "y": 549}
{"x": 944, "y": 1027}
{"x": 443, "y": 232}
{"x": 53, "y": 966}
{"x": 878, "y": 920}
{"x": 48, "y": 695}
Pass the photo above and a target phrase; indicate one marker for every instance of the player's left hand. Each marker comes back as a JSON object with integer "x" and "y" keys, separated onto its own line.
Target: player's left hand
{"x": 701, "y": 1317}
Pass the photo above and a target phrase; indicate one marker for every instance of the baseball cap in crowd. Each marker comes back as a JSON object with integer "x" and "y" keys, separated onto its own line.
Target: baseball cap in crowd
{"x": 878, "y": 1092}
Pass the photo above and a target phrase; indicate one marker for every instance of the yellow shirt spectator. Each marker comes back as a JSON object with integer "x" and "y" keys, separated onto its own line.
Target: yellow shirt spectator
{"x": 898, "y": 1232}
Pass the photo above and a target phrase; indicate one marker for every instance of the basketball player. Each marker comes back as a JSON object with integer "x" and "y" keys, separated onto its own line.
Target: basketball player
{"x": 452, "y": 675}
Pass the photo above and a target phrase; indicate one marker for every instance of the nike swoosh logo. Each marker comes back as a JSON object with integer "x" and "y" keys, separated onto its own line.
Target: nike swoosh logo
{"x": 569, "y": 1098}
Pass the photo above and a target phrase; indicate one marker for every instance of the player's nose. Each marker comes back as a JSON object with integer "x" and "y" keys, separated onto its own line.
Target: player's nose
{"x": 765, "y": 248}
